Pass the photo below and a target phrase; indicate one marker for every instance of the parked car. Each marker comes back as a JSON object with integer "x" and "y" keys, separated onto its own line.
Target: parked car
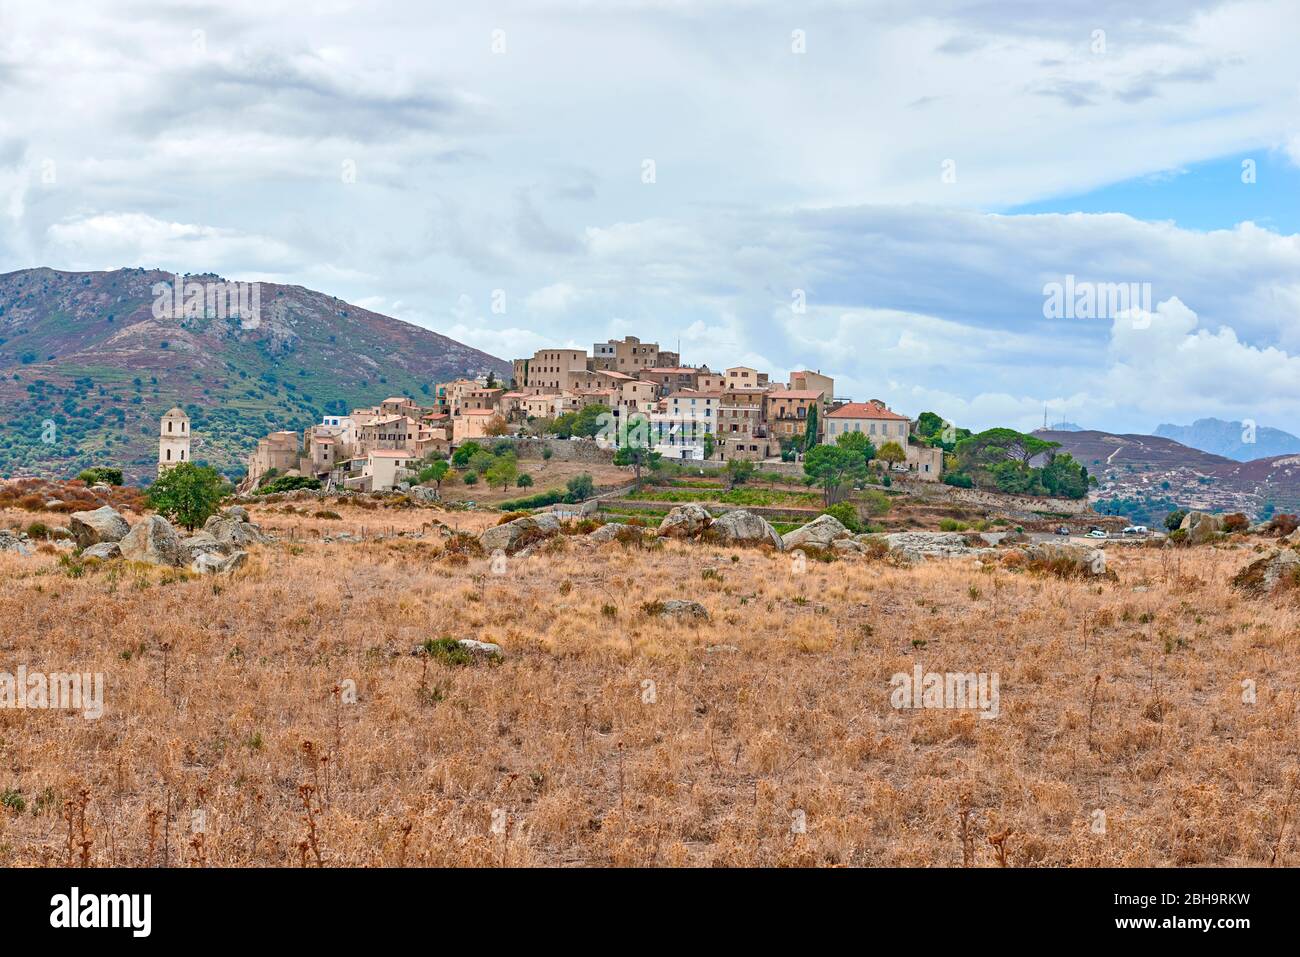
{"x": 1063, "y": 530}
{"x": 1137, "y": 530}
{"x": 1096, "y": 533}
{"x": 898, "y": 468}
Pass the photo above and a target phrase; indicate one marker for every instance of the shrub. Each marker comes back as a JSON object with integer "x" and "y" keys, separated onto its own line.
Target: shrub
{"x": 1284, "y": 524}
{"x": 958, "y": 480}
{"x": 540, "y": 500}
{"x": 1175, "y": 518}
{"x": 952, "y": 525}
{"x": 326, "y": 513}
{"x": 846, "y": 514}
{"x": 581, "y": 487}
{"x": 288, "y": 483}
{"x": 1236, "y": 522}
{"x": 101, "y": 474}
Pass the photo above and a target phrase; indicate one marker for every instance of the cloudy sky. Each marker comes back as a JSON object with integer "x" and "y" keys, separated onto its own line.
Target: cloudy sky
{"x": 877, "y": 190}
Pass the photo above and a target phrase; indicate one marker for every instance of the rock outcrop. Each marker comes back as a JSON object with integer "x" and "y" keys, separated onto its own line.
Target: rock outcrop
{"x": 742, "y": 528}
{"x": 514, "y": 537}
{"x": 685, "y": 521}
{"x": 9, "y": 542}
{"x": 154, "y": 541}
{"x": 1263, "y": 577}
{"x": 1201, "y": 527}
{"x": 214, "y": 563}
{"x": 232, "y": 528}
{"x": 819, "y": 533}
{"x": 103, "y": 524}
{"x": 679, "y": 609}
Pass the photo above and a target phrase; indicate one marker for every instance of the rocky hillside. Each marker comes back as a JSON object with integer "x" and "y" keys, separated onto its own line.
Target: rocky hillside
{"x": 87, "y": 368}
{"x": 1144, "y": 476}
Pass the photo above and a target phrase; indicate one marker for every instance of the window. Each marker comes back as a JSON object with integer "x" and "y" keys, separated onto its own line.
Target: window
{"x": 169, "y": 426}
{"x": 169, "y": 455}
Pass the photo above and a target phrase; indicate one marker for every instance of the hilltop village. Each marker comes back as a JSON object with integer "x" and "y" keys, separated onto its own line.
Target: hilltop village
{"x": 687, "y": 413}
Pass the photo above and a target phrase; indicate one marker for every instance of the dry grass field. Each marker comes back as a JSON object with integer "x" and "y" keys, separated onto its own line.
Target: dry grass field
{"x": 609, "y": 736}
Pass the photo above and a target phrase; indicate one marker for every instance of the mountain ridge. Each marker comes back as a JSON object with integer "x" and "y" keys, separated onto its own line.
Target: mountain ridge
{"x": 88, "y": 365}
{"x": 1240, "y": 441}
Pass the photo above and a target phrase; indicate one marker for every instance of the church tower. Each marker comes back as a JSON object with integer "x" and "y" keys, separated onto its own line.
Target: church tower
{"x": 173, "y": 439}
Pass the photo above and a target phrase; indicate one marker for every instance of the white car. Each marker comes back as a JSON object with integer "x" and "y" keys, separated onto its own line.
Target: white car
{"x": 1096, "y": 533}
{"x": 1137, "y": 530}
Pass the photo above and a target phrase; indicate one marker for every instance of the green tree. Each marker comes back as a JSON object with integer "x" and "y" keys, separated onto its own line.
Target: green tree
{"x": 1174, "y": 520}
{"x": 739, "y": 471}
{"x": 588, "y": 422}
{"x": 547, "y": 452}
{"x": 833, "y": 466}
{"x": 581, "y": 487}
{"x": 892, "y": 453}
{"x": 435, "y": 472}
{"x": 638, "y": 457}
{"x": 857, "y": 442}
{"x": 811, "y": 428}
{"x": 481, "y": 461}
{"x": 524, "y": 481}
{"x": 471, "y": 478}
{"x": 503, "y": 471}
{"x": 460, "y": 458}
{"x": 187, "y": 494}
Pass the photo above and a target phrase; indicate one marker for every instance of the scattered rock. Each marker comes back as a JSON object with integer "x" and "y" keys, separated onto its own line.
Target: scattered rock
{"x": 154, "y": 541}
{"x": 610, "y": 532}
{"x": 1065, "y": 557}
{"x": 9, "y": 542}
{"x": 821, "y": 532}
{"x": 916, "y": 546}
{"x": 742, "y": 528}
{"x": 514, "y": 537}
{"x": 848, "y": 546}
{"x": 214, "y": 563}
{"x": 104, "y": 524}
{"x": 203, "y": 543}
{"x": 685, "y": 521}
{"x": 1262, "y": 577}
{"x": 229, "y": 529}
{"x": 715, "y": 649}
{"x": 679, "y": 609}
{"x": 481, "y": 647}
{"x": 104, "y": 551}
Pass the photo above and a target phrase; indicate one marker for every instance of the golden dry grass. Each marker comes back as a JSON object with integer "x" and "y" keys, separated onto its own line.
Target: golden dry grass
{"x": 220, "y": 697}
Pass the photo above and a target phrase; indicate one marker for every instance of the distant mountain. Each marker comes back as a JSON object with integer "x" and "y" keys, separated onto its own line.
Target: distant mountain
{"x": 1065, "y": 427}
{"x": 1163, "y": 473}
{"x": 87, "y": 369}
{"x": 1232, "y": 439}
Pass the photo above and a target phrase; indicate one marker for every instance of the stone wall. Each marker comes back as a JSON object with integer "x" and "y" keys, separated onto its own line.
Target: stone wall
{"x": 938, "y": 492}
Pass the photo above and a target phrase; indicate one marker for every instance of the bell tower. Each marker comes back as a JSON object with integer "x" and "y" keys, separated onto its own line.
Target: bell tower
{"x": 173, "y": 439}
